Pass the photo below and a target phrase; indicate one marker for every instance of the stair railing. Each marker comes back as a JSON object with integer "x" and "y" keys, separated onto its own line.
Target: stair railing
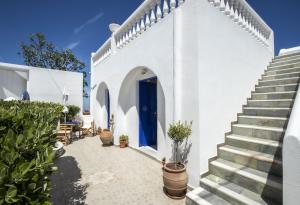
{"x": 291, "y": 156}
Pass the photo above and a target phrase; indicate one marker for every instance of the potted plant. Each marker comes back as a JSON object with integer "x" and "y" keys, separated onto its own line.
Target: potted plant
{"x": 174, "y": 173}
{"x": 99, "y": 130}
{"x": 123, "y": 139}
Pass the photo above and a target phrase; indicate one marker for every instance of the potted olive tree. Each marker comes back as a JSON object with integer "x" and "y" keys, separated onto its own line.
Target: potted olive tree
{"x": 174, "y": 173}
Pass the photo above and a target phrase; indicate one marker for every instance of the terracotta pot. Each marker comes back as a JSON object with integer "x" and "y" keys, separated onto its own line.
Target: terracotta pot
{"x": 123, "y": 144}
{"x": 175, "y": 180}
{"x": 106, "y": 137}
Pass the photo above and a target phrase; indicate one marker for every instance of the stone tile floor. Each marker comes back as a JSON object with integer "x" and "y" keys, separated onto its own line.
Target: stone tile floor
{"x": 95, "y": 175}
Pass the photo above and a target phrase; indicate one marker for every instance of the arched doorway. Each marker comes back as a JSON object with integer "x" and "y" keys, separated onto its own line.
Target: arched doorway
{"x": 141, "y": 112}
{"x": 103, "y": 98}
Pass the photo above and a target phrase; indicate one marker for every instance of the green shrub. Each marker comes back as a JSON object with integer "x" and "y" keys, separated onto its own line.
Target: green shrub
{"x": 26, "y": 155}
{"x": 73, "y": 111}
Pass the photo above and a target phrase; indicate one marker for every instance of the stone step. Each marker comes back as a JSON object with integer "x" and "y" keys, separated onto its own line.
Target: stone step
{"x": 200, "y": 196}
{"x": 285, "y": 61}
{"x": 255, "y": 144}
{"x": 283, "y": 71}
{"x": 280, "y": 76}
{"x": 232, "y": 193}
{"x": 279, "y": 67}
{"x": 285, "y": 103}
{"x": 256, "y": 160}
{"x": 267, "y": 111}
{"x": 280, "y": 122}
{"x": 285, "y": 57}
{"x": 263, "y": 132}
{"x": 294, "y": 80}
{"x": 261, "y": 183}
{"x": 276, "y": 88}
{"x": 273, "y": 95}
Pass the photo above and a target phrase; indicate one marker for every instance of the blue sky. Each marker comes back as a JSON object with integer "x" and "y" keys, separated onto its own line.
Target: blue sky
{"x": 82, "y": 25}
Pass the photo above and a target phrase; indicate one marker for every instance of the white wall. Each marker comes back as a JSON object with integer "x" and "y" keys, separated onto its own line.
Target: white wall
{"x": 12, "y": 83}
{"x": 48, "y": 85}
{"x": 42, "y": 84}
{"x": 220, "y": 66}
{"x": 207, "y": 66}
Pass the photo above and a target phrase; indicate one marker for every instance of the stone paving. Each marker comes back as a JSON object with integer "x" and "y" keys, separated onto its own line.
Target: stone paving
{"x": 95, "y": 175}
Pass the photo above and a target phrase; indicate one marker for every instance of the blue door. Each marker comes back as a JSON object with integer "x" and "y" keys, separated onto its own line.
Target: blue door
{"x": 107, "y": 103}
{"x": 148, "y": 113}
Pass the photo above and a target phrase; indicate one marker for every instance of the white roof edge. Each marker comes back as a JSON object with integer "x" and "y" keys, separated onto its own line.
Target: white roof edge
{"x": 15, "y": 67}
{"x": 25, "y": 68}
{"x": 287, "y": 51}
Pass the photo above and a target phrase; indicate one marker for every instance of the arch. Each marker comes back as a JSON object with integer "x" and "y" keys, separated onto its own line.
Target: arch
{"x": 128, "y": 106}
{"x": 103, "y": 99}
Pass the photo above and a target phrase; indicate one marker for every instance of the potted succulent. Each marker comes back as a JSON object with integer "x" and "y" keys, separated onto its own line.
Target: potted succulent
{"x": 174, "y": 173}
{"x": 123, "y": 139}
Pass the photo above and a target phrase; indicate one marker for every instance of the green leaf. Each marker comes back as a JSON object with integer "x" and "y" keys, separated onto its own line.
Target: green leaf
{"x": 11, "y": 195}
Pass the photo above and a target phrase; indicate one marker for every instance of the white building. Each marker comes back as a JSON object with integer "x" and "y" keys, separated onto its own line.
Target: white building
{"x": 42, "y": 84}
{"x": 192, "y": 60}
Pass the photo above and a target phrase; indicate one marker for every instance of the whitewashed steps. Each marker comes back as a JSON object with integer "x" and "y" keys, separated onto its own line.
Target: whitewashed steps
{"x": 255, "y": 160}
{"x": 248, "y": 167}
{"x": 280, "y": 122}
{"x": 273, "y": 95}
{"x": 279, "y": 103}
{"x": 250, "y": 179}
{"x": 276, "y": 88}
{"x": 263, "y": 132}
{"x": 255, "y": 144}
{"x": 286, "y": 61}
{"x": 294, "y": 80}
{"x": 292, "y": 65}
{"x": 285, "y": 57}
{"x": 267, "y": 111}
{"x": 204, "y": 197}
{"x": 282, "y": 71}
{"x": 280, "y": 76}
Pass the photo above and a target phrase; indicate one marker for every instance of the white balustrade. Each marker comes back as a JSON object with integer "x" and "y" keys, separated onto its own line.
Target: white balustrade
{"x": 143, "y": 18}
{"x": 151, "y": 12}
{"x": 103, "y": 52}
{"x": 245, "y": 16}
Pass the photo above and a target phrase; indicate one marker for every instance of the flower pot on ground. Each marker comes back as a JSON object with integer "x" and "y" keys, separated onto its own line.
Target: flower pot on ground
{"x": 106, "y": 137}
{"x": 123, "y": 139}
{"x": 175, "y": 177}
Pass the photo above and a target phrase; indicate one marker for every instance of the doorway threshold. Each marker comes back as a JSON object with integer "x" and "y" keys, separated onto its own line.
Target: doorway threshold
{"x": 149, "y": 151}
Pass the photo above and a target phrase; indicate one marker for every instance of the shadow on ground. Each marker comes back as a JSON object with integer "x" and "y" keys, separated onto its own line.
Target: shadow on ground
{"x": 66, "y": 187}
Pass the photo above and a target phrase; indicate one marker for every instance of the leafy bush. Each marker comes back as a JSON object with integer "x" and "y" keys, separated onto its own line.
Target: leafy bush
{"x": 73, "y": 111}
{"x": 26, "y": 155}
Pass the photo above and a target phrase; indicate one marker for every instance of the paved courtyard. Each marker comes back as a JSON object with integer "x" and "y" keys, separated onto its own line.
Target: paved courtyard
{"x": 95, "y": 175}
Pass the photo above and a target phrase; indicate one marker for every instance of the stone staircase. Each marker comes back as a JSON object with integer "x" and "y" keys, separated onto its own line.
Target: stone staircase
{"x": 248, "y": 167}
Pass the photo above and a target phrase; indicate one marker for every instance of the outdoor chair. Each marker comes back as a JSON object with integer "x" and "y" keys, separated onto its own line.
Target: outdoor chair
{"x": 88, "y": 126}
{"x": 64, "y": 134}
